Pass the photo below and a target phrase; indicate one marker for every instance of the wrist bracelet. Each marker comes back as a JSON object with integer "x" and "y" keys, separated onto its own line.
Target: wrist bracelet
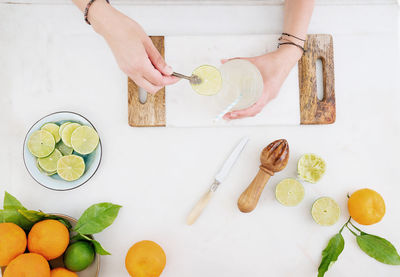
{"x": 85, "y": 14}
{"x": 289, "y": 35}
{"x": 292, "y": 43}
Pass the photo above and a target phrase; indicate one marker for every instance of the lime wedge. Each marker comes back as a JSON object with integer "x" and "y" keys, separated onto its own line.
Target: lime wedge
{"x": 53, "y": 129}
{"x": 65, "y": 150}
{"x": 49, "y": 163}
{"x": 325, "y": 211}
{"x": 67, "y": 133}
{"x": 289, "y": 192}
{"x": 311, "y": 168}
{"x": 41, "y": 143}
{"x": 211, "y": 81}
{"x": 62, "y": 127}
{"x": 71, "y": 167}
{"x": 84, "y": 140}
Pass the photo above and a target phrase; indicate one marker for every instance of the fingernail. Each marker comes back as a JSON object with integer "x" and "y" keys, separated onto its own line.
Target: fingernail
{"x": 168, "y": 70}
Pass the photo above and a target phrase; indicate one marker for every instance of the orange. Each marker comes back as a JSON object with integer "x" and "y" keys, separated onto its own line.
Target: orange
{"x": 48, "y": 238}
{"x": 28, "y": 265}
{"x": 145, "y": 259}
{"x": 12, "y": 242}
{"x": 62, "y": 272}
{"x": 366, "y": 206}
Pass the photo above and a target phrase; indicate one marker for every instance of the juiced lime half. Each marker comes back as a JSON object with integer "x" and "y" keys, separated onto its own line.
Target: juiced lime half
{"x": 41, "y": 143}
{"x": 84, "y": 140}
{"x": 67, "y": 133}
{"x": 289, "y": 192}
{"x": 325, "y": 211}
{"x": 71, "y": 167}
{"x": 62, "y": 127}
{"x": 311, "y": 168}
{"x": 43, "y": 171}
{"x": 53, "y": 129}
{"x": 49, "y": 163}
{"x": 211, "y": 81}
{"x": 65, "y": 150}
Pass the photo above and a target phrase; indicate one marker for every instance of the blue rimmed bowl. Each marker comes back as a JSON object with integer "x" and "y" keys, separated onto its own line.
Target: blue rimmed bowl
{"x": 54, "y": 182}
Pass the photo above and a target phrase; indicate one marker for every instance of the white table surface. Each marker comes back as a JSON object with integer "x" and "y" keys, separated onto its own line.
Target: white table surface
{"x": 158, "y": 174}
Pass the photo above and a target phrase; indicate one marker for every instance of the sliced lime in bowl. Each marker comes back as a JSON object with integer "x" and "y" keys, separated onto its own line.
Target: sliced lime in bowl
{"x": 289, "y": 192}
{"x": 325, "y": 211}
{"x": 49, "y": 163}
{"x": 67, "y": 133}
{"x": 65, "y": 150}
{"x": 62, "y": 126}
{"x": 41, "y": 143}
{"x": 71, "y": 167}
{"x": 53, "y": 129}
{"x": 311, "y": 168}
{"x": 84, "y": 140}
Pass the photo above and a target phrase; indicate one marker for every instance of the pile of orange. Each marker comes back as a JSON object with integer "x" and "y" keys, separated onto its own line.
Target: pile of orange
{"x": 47, "y": 240}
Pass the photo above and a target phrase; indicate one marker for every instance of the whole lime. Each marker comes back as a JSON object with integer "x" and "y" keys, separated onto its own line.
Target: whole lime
{"x": 79, "y": 256}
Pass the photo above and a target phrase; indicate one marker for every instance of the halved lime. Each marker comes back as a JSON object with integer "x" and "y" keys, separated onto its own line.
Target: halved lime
{"x": 211, "y": 81}
{"x": 289, "y": 192}
{"x": 41, "y": 143}
{"x": 71, "y": 167}
{"x": 325, "y": 211}
{"x": 311, "y": 168}
{"x": 65, "y": 150}
{"x": 84, "y": 140}
{"x": 53, "y": 129}
{"x": 44, "y": 171}
{"x": 62, "y": 127}
{"x": 67, "y": 133}
{"x": 49, "y": 163}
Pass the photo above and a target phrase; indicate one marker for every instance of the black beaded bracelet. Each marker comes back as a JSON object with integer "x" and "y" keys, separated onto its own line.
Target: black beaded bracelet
{"x": 292, "y": 43}
{"x": 87, "y": 10}
{"x": 289, "y": 35}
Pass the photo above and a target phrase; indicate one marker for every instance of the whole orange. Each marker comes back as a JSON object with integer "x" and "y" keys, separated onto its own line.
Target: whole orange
{"x": 145, "y": 259}
{"x": 366, "y": 206}
{"x": 62, "y": 272}
{"x": 12, "y": 242}
{"x": 28, "y": 265}
{"x": 48, "y": 238}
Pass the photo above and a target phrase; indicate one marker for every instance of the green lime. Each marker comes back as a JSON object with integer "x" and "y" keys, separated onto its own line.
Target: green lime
{"x": 84, "y": 140}
{"x": 62, "y": 126}
{"x": 65, "y": 150}
{"x": 311, "y": 168}
{"x": 289, "y": 192}
{"x": 41, "y": 143}
{"x": 325, "y": 211}
{"x": 79, "y": 256}
{"x": 44, "y": 171}
{"x": 49, "y": 163}
{"x": 67, "y": 133}
{"x": 71, "y": 167}
{"x": 53, "y": 129}
{"x": 211, "y": 80}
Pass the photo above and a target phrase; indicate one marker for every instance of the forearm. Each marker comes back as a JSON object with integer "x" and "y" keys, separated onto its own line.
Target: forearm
{"x": 297, "y": 15}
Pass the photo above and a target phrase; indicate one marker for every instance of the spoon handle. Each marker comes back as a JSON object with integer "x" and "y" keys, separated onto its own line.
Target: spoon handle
{"x": 181, "y": 76}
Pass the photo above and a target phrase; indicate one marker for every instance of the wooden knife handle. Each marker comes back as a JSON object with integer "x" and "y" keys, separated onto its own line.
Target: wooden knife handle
{"x": 197, "y": 210}
{"x": 249, "y": 198}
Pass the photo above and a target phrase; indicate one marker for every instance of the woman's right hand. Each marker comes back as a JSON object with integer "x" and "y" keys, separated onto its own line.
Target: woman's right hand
{"x": 134, "y": 51}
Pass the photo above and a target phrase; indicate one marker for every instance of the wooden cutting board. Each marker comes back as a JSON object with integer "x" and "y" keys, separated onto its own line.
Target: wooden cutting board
{"x": 297, "y": 102}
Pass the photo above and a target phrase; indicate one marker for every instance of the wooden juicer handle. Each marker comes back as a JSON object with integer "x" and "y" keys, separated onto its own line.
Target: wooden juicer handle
{"x": 273, "y": 158}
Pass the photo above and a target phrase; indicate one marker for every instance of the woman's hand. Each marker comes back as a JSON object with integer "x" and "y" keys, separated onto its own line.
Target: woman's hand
{"x": 133, "y": 49}
{"x": 274, "y": 68}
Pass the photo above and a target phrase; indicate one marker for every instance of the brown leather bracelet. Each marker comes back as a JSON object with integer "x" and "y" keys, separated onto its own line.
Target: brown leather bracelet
{"x": 292, "y": 43}
{"x": 87, "y": 10}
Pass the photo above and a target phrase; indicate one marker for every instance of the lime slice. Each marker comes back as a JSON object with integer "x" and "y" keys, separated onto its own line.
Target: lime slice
{"x": 325, "y": 211}
{"x": 71, "y": 167}
{"x": 41, "y": 143}
{"x": 53, "y": 129}
{"x": 289, "y": 192}
{"x": 62, "y": 127}
{"x": 211, "y": 81}
{"x": 49, "y": 163}
{"x": 311, "y": 168}
{"x": 43, "y": 171}
{"x": 84, "y": 140}
{"x": 65, "y": 150}
{"x": 67, "y": 133}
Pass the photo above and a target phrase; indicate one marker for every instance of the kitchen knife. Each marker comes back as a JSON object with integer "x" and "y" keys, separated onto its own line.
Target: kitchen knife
{"x": 219, "y": 178}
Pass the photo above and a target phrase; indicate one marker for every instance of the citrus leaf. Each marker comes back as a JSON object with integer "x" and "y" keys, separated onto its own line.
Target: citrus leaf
{"x": 331, "y": 253}
{"x": 378, "y": 248}
{"x": 35, "y": 216}
{"x": 97, "y": 246}
{"x": 15, "y": 217}
{"x": 11, "y": 203}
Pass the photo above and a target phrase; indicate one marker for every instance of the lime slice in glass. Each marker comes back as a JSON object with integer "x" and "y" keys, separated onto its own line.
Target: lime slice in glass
{"x": 53, "y": 129}
{"x": 43, "y": 171}
{"x": 49, "y": 163}
{"x": 62, "y": 127}
{"x": 67, "y": 133}
{"x": 311, "y": 168}
{"x": 41, "y": 143}
{"x": 289, "y": 192}
{"x": 71, "y": 167}
{"x": 325, "y": 211}
{"x": 84, "y": 140}
{"x": 65, "y": 150}
{"x": 211, "y": 81}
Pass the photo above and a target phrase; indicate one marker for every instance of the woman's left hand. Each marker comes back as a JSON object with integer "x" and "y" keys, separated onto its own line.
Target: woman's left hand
{"x": 274, "y": 68}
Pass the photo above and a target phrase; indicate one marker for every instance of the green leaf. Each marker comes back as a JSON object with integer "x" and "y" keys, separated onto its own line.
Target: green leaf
{"x": 96, "y": 218}
{"x": 97, "y": 246}
{"x": 11, "y": 203}
{"x": 378, "y": 248}
{"x": 35, "y": 216}
{"x": 331, "y": 253}
{"x": 15, "y": 217}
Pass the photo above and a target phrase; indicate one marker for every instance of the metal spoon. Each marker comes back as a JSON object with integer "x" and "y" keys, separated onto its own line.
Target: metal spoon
{"x": 194, "y": 79}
